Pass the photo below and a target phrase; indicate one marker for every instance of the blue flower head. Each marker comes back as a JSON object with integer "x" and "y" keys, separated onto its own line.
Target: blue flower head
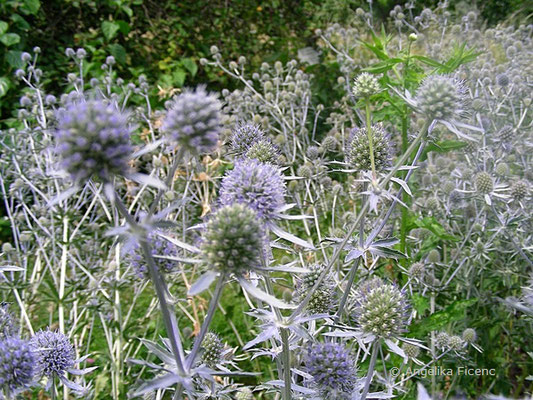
{"x": 53, "y": 352}
{"x": 16, "y": 364}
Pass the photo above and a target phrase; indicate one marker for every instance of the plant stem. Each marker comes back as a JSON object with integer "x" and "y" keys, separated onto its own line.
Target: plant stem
{"x": 286, "y": 363}
{"x": 351, "y": 278}
{"x": 370, "y": 372}
{"x": 207, "y": 321}
{"x": 370, "y": 137}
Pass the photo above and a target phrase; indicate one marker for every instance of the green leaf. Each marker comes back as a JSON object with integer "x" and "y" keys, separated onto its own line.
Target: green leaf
{"x": 454, "y": 312}
{"x": 110, "y": 29}
{"x": 442, "y": 147}
{"x": 31, "y": 6}
{"x": 4, "y": 87}
{"x": 420, "y": 303}
{"x": 178, "y": 77}
{"x": 383, "y": 66}
{"x": 20, "y": 22}
{"x": 13, "y": 58}
{"x": 431, "y": 224}
{"x": 3, "y": 27}
{"x": 124, "y": 27}
{"x": 9, "y": 39}
{"x": 190, "y": 66}
{"x": 118, "y": 52}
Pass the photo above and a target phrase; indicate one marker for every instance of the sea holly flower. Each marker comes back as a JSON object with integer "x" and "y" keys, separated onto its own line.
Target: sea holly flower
{"x": 323, "y": 298}
{"x": 245, "y": 136}
{"x": 17, "y": 365}
{"x": 358, "y": 149}
{"x": 365, "y": 85}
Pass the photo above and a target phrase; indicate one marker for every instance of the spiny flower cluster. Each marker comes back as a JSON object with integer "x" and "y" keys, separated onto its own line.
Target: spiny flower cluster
{"x": 519, "y": 190}
{"x": 194, "y": 120}
{"x": 8, "y": 326}
{"x": 440, "y": 97}
{"x": 258, "y": 185}
{"x": 323, "y": 298}
{"x": 264, "y": 151}
{"x": 484, "y": 183}
{"x": 358, "y": 151}
{"x": 53, "y": 352}
{"x": 333, "y": 370}
{"x": 93, "y": 139}
{"x": 233, "y": 240}
{"x": 244, "y": 137}
{"x": 365, "y": 85}
{"x": 16, "y": 364}
{"x": 160, "y": 248}
{"x": 381, "y": 308}
{"x": 212, "y": 349}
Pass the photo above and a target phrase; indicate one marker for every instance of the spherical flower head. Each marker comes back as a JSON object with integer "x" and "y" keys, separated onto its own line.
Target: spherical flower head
{"x": 160, "y": 248}
{"x": 244, "y": 137}
{"x": 194, "y": 120}
{"x": 519, "y": 190}
{"x": 365, "y": 85}
{"x": 53, "y": 352}
{"x": 441, "y": 340}
{"x": 381, "y": 309}
{"x": 455, "y": 343}
{"x": 417, "y": 270}
{"x": 233, "y": 241}
{"x": 440, "y": 97}
{"x": 322, "y": 299}
{"x": 258, "y": 185}
{"x": 484, "y": 183}
{"x": 469, "y": 335}
{"x": 264, "y": 151}
{"x": 16, "y": 364}
{"x": 358, "y": 149}
{"x": 332, "y": 369}
{"x": 93, "y": 139}
{"x": 411, "y": 350}
{"x": 8, "y": 326}
{"x": 212, "y": 349}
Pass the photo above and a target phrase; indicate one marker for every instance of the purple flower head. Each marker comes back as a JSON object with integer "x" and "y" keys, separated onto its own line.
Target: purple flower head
{"x": 258, "y": 185}
{"x": 16, "y": 364}
{"x": 8, "y": 326}
{"x": 161, "y": 248}
{"x": 333, "y": 370}
{"x": 93, "y": 139}
{"x": 53, "y": 352}
{"x": 194, "y": 120}
{"x": 381, "y": 309}
{"x": 245, "y": 136}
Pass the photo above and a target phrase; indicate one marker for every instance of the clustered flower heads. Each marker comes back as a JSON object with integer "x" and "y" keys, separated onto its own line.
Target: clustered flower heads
{"x": 440, "y": 97}
{"x": 358, "y": 151}
{"x": 53, "y": 352}
{"x": 258, "y": 185}
{"x": 160, "y": 248}
{"x": 233, "y": 240}
{"x": 333, "y": 370}
{"x": 244, "y": 136}
{"x": 194, "y": 120}
{"x": 365, "y": 85}
{"x": 381, "y": 308}
{"x": 212, "y": 349}
{"x": 93, "y": 139}
{"x": 16, "y": 364}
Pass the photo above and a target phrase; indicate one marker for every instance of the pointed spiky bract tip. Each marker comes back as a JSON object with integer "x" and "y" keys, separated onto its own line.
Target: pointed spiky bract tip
{"x": 332, "y": 369}
{"x": 258, "y": 185}
{"x": 16, "y": 364}
{"x": 365, "y": 85}
{"x": 358, "y": 149}
{"x": 234, "y": 240}
{"x": 194, "y": 120}
{"x": 93, "y": 140}
{"x": 245, "y": 136}
{"x": 441, "y": 97}
{"x": 212, "y": 349}
{"x": 381, "y": 309}
{"x": 53, "y": 352}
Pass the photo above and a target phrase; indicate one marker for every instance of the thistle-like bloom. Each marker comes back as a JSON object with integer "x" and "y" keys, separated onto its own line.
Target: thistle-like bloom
{"x": 160, "y": 248}
{"x": 194, "y": 120}
{"x": 93, "y": 139}
{"x": 358, "y": 151}
{"x": 323, "y": 299}
{"x": 440, "y": 97}
{"x": 411, "y": 350}
{"x": 484, "y": 183}
{"x": 8, "y": 327}
{"x": 264, "y": 151}
{"x": 365, "y": 85}
{"x": 244, "y": 137}
{"x": 519, "y": 190}
{"x": 258, "y": 185}
{"x": 233, "y": 240}
{"x": 212, "y": 349}
{"x": 16, "y": 364}
{"x": 381, "y": 309}
{"x": 333, "y": 370}
{"x": 469, "y": 335}
{"x": 53, "y": 352}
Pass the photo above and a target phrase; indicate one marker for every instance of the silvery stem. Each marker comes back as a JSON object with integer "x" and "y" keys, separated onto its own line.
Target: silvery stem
{"x": 370, "y": 370}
